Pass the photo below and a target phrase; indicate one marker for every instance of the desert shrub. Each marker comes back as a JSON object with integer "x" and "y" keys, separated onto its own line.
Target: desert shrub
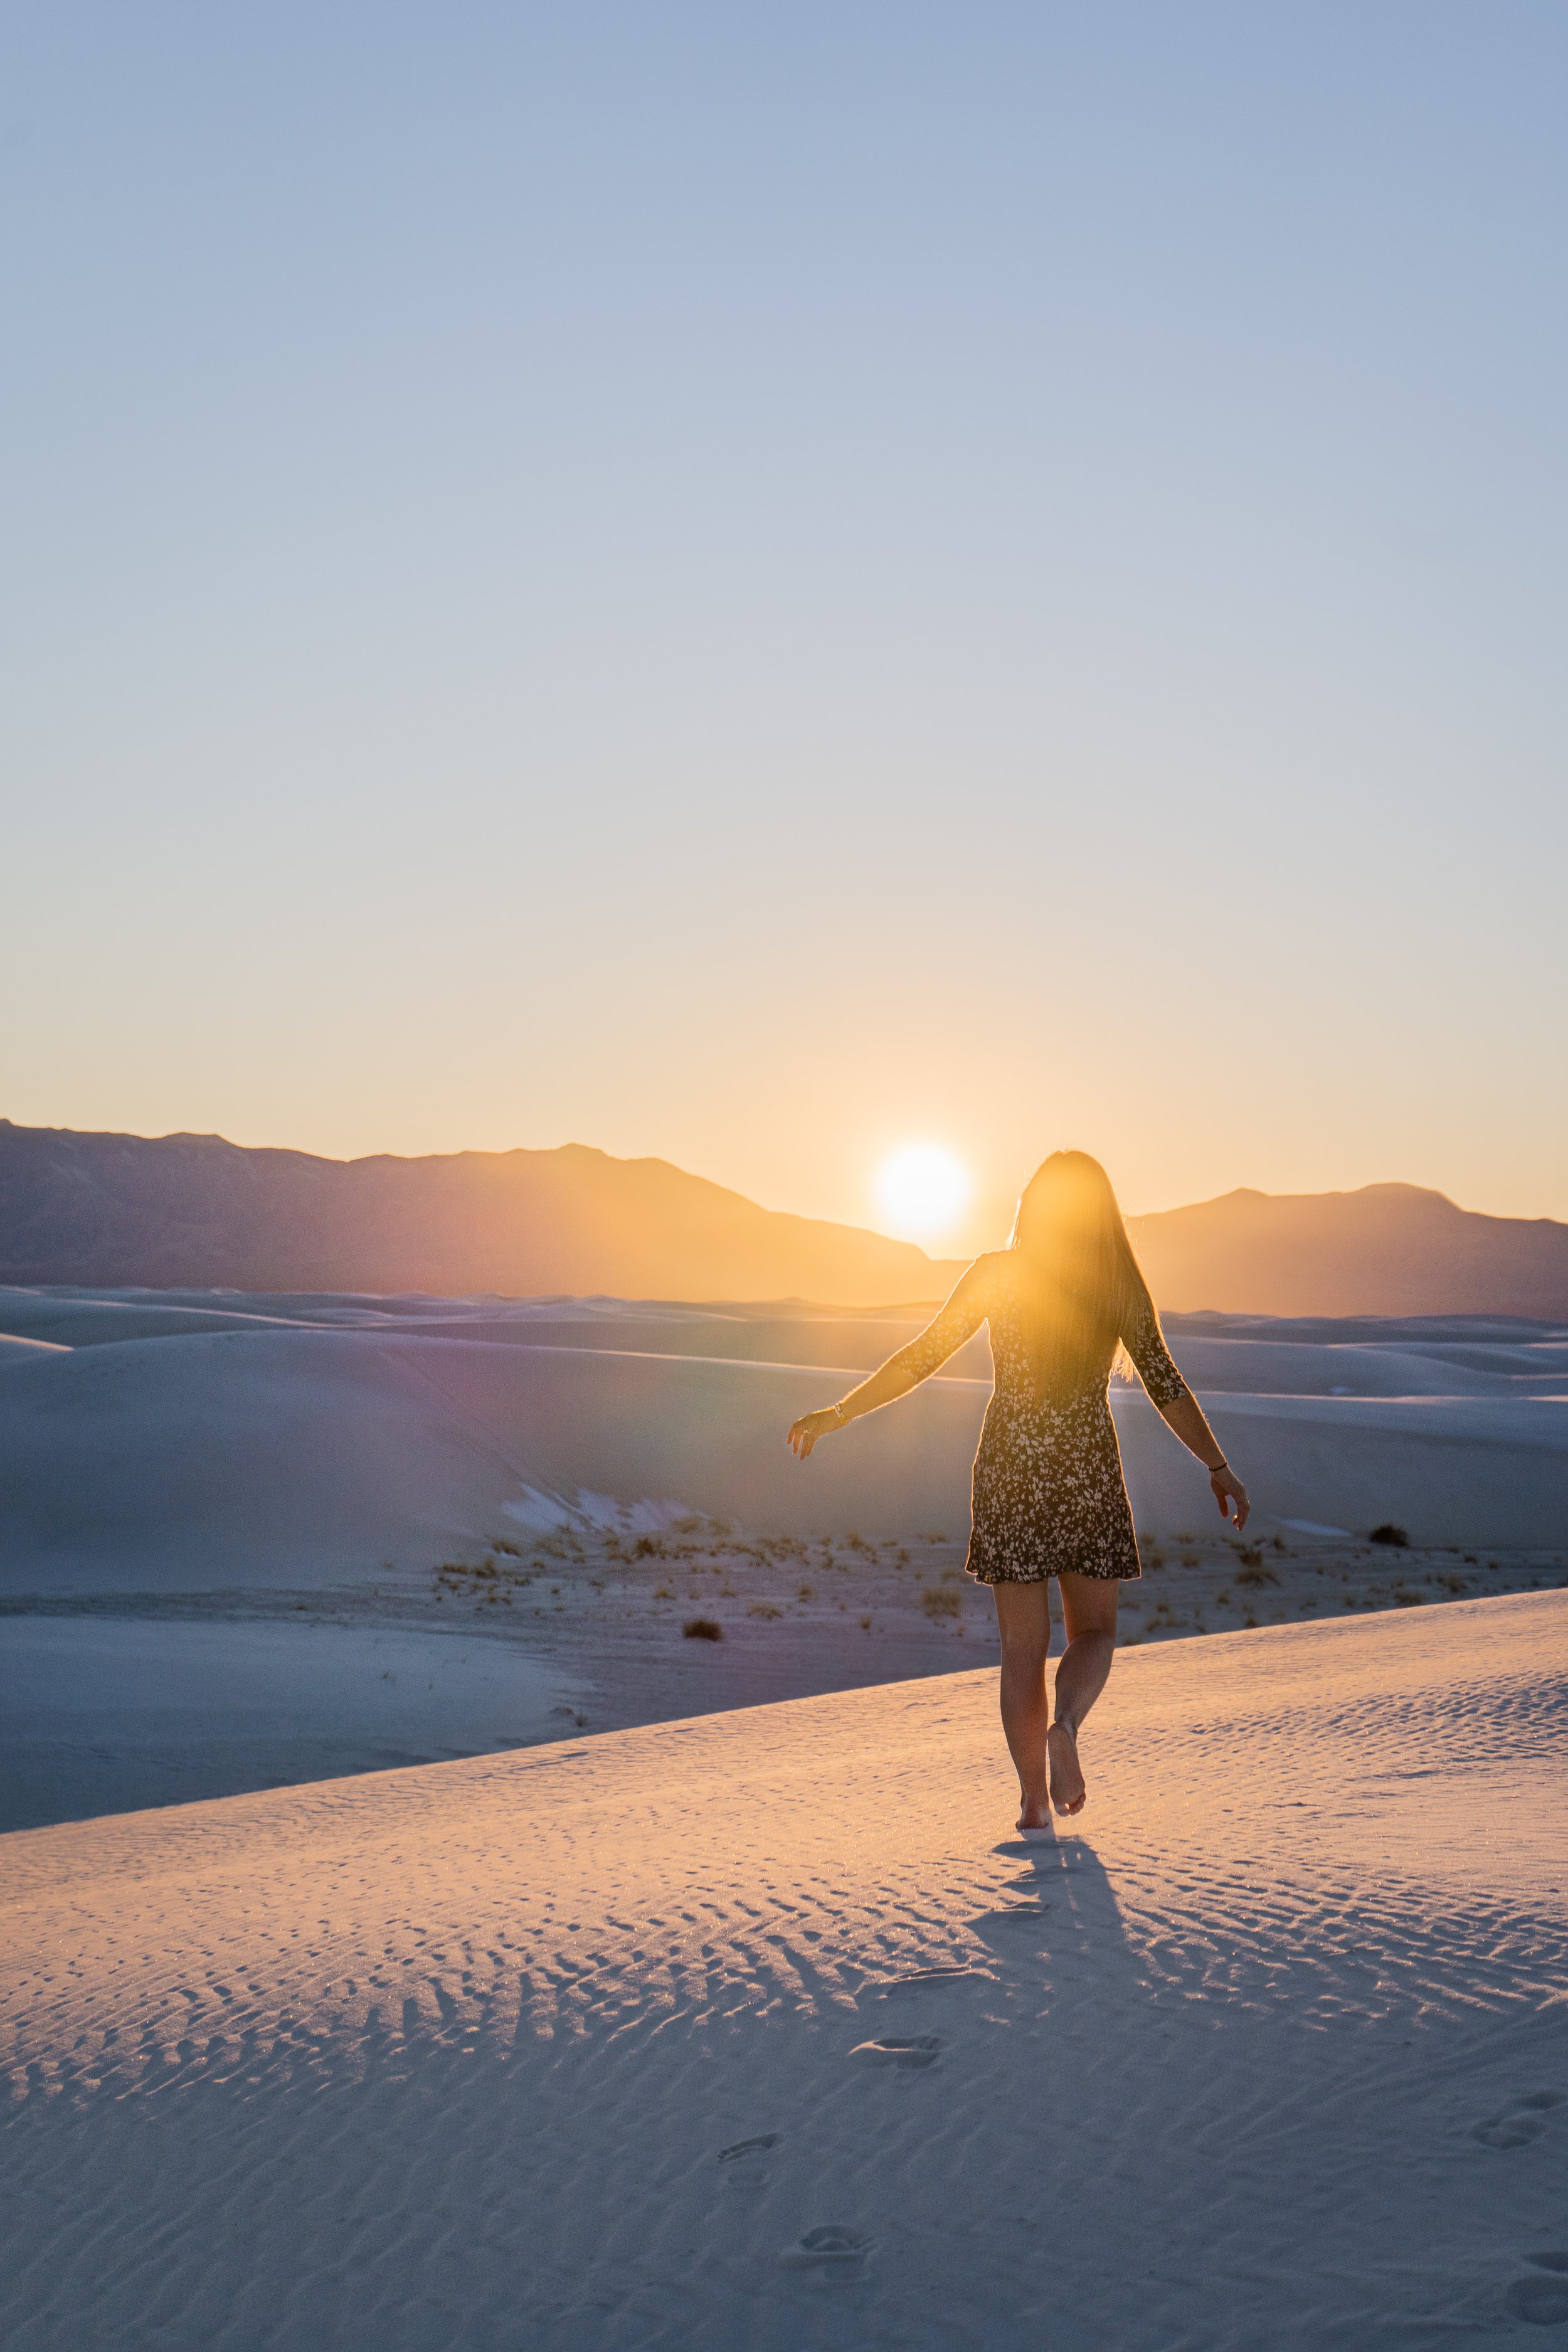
{"x": 1255, "y": 1573}
{"x": 1394, "y": 1537}
{"x": 763, "y": 1609}
{"x": 941, "y": 1601}
{"x": 702, "y": 1629}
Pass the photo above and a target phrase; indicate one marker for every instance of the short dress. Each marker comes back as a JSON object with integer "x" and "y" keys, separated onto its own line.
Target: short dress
{"x": 1047, "y": 1491}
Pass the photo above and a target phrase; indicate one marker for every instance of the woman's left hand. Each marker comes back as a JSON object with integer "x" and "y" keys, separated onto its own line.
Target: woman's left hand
{"x": 804, "y": 1433}
{"x": 1228, "y": 1488}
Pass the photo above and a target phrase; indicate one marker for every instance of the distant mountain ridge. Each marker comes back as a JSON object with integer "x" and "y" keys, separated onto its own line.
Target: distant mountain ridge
{"x": 193, "y": 1211}
{"x": 189, "y": 1212}
{"x": 1387, "y": 1249}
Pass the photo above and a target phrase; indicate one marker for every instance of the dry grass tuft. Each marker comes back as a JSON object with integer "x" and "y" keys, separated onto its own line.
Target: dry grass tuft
{"x": 941, "y": 1601}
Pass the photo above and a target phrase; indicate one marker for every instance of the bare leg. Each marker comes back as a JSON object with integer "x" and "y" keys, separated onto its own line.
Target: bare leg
{"x": 1088, "y": 1613}
{"x": 1023, "y": 1620}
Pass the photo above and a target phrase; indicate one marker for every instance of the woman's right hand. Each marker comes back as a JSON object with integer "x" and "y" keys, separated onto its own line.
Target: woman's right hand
{"x": 804, "y": 1433}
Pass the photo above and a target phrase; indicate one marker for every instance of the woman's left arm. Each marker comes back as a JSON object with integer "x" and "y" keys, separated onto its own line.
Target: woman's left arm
{"x": 1185, "y": 1416}
{"x": 1180, "y": 1411}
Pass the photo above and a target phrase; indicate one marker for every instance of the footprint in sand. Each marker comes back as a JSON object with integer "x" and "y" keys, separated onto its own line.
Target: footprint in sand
{"x": 916, "y": 2049}
{"x": 1519, "y": 2122}
{"x": 921, "y": 1980}
{"x": 744, "y": 2162}
{"x": 829, "y": 2248}
{"x": 1543, "y": 2301}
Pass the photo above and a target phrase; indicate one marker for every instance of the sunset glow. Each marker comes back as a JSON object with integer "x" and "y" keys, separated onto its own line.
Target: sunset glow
{"x": 922, "y": 1190}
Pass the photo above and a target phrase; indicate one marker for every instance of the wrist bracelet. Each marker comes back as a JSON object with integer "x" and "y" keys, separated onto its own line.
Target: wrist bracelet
{"x": 1221, "y": 1464}
{"x": 843, "y": 1416}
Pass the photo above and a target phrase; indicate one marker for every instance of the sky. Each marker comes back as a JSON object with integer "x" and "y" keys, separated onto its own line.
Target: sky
{"x": 761, "y": 586}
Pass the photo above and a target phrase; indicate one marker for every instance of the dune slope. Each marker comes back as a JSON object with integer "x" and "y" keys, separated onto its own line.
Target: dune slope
{"x": 759, "y": 2031}
{"x": 282, "y": 1454}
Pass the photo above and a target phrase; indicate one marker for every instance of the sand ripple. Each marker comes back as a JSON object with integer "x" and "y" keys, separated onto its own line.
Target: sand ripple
{"x": 485, "y": 2053}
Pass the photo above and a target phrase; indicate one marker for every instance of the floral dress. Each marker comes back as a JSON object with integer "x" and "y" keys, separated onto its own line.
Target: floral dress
{"x": 1048, "y": 1493}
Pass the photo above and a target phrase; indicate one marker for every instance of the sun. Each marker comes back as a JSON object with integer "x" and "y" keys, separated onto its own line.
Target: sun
{"x": 921, "y": 1190}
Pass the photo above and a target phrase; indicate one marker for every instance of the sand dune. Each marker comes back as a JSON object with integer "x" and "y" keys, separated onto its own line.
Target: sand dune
{"x": 278, "y": 1452}
{"x": 21, "y": 1351}
{"x": 757, "y": 2033}
{"x": 222, "y": 1539}
{"x": 115, "y": 1714}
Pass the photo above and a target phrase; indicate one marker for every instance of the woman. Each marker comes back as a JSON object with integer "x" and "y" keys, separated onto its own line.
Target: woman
{"x": 1049, "y": 1496}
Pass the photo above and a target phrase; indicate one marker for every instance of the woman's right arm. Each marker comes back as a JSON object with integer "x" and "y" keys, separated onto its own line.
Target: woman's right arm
{"x": 958, "y": 1320}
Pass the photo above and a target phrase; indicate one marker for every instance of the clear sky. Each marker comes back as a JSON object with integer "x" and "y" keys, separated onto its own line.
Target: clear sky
{"x": 760, "y": 583}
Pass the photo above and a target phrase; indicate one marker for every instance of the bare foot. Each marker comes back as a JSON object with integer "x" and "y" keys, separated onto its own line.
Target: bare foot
{"x": 1068, "y": 1791}
{"x": 1034, "y": 1813}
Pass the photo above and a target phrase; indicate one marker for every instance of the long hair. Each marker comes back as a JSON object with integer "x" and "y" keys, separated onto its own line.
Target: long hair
{"x": 1080, "y": 1284}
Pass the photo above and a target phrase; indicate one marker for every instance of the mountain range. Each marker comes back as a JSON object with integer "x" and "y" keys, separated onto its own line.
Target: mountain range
{"x": 193, "y": 1211}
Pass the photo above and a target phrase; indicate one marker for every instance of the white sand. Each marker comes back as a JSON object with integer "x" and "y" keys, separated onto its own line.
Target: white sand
{"x": 247, "y": 1464}
{"x": 283, "y": 1456}
{"x": 101, "y": 1714}
{"x": 637, "y": 2042}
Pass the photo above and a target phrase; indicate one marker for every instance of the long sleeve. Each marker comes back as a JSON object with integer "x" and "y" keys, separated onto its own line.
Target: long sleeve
{"x": 1145, "y": 1343}
{"x": 966, "y": 1310}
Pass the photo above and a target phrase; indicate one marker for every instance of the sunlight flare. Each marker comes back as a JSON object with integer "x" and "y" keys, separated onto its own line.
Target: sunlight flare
{"x": 922, "y": 1190}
